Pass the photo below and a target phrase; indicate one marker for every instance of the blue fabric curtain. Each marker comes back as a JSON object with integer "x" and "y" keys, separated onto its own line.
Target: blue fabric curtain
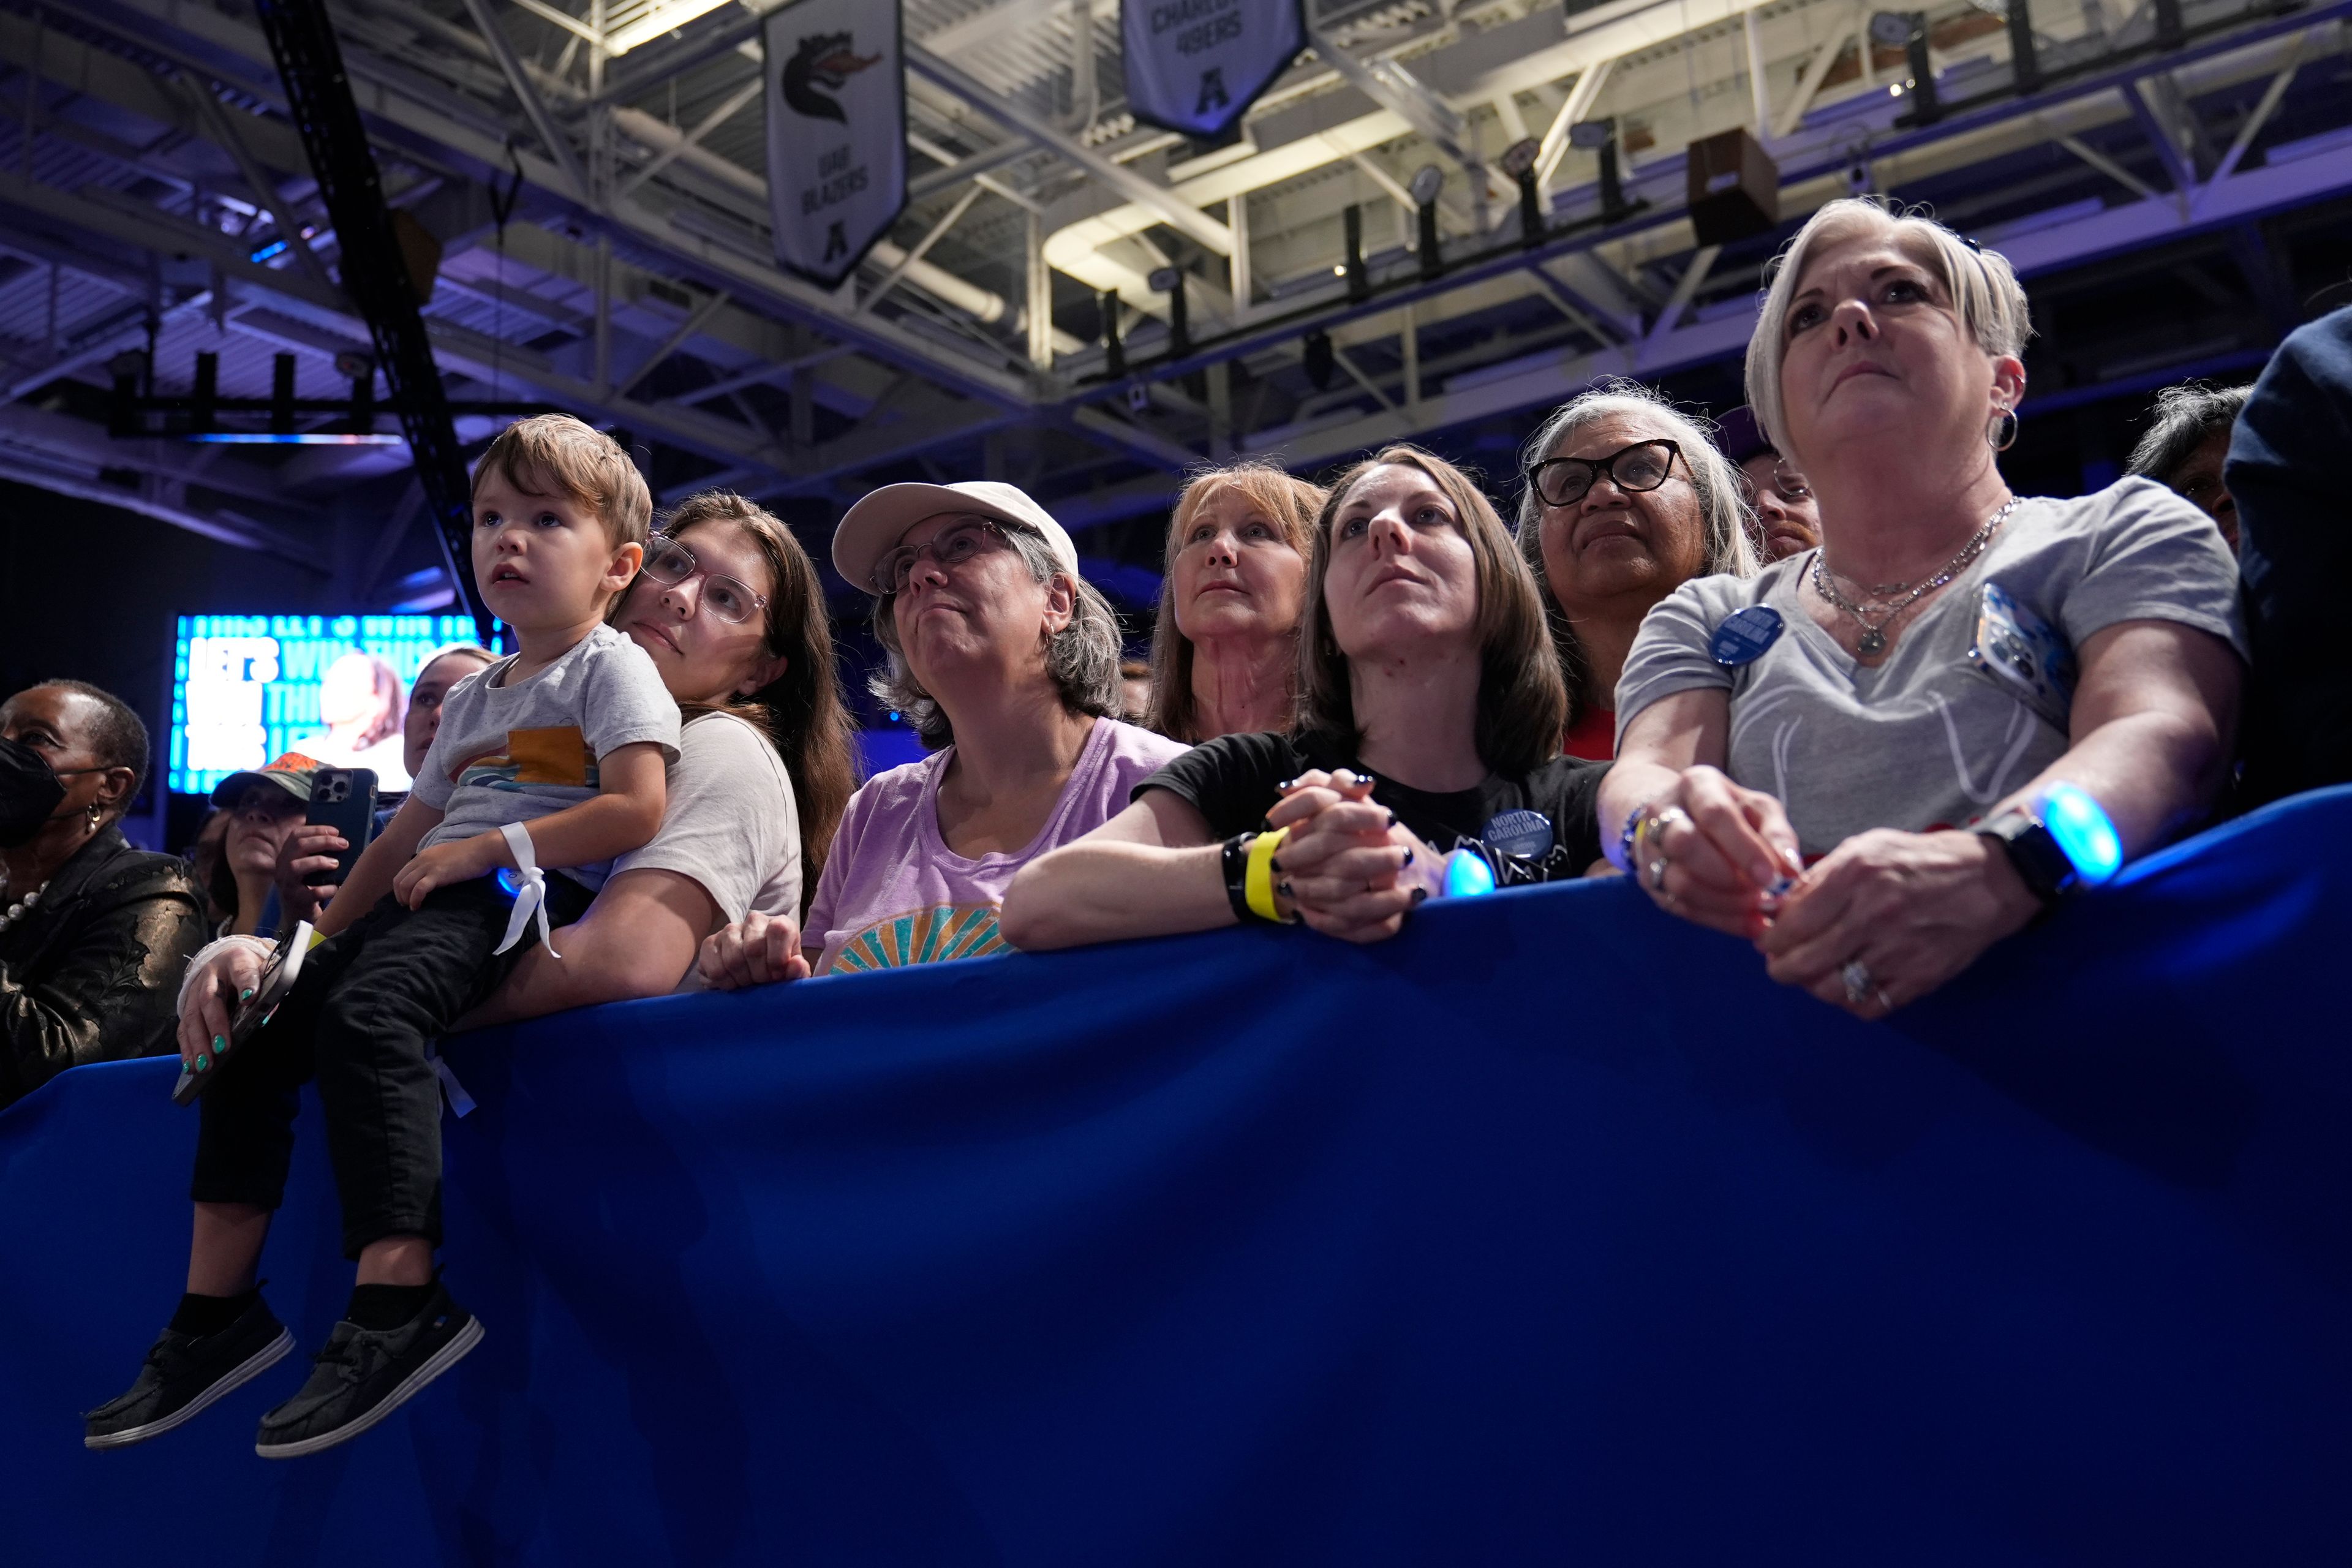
{"x": 1552, "y": 1231}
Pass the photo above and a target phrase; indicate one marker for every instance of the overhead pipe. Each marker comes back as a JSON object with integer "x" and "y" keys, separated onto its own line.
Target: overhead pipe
{"x": 979, "y": 303}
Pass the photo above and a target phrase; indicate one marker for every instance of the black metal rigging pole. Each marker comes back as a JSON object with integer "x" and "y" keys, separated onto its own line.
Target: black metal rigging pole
{"x": 374, "y": 275}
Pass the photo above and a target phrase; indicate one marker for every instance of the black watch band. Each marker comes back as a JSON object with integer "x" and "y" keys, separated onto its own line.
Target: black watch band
{"x": 2043, "y": 867}
{"x": 1236, "y": 864}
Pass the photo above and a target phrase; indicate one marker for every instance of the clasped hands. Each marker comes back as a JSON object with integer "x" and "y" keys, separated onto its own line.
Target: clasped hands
{"x": 1347, "y": 868}
{"x": 1912, "y": 909}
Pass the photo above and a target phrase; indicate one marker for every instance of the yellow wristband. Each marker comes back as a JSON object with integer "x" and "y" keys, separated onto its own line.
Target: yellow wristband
{"x": 1257, "y": 885}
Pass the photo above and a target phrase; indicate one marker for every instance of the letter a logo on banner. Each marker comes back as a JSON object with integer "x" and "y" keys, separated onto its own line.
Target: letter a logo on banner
{"x": 836, "y": 132}
{"x": 1196, "y": 65}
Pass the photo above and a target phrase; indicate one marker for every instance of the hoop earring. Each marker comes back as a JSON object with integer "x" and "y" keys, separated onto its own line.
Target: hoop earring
{"x": 2000, "y": 430}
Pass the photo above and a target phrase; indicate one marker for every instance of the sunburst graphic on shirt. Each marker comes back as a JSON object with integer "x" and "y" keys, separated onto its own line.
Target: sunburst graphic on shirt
{"x": 556, "y": 754}
{"x": 923, "y": 936}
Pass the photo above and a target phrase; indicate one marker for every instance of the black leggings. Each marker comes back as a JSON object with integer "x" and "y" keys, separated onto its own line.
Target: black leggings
{"x": 370, "y": 1002}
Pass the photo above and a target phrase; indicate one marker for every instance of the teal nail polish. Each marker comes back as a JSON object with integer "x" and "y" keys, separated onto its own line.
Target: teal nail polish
{"x": 246, "y": 994}
{"x": 203, "y": 1061}
{"x": 219, "y": 1044}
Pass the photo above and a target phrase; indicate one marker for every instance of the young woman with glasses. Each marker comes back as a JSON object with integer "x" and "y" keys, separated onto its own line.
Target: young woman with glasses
{"x": 1006, "y": 663}
{"x": 1625, "y": 500}
{"x": 730, "y": 608}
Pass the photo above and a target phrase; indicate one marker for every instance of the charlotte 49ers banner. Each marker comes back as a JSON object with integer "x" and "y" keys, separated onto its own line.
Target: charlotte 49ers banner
{"x": 1195, "y": 65}
{"x": 837, "y": 131}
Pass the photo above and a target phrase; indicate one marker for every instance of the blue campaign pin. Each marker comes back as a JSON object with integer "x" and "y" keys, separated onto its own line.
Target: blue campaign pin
{"x": 1526, "y": 834}
{"x": 1744, "y": 636}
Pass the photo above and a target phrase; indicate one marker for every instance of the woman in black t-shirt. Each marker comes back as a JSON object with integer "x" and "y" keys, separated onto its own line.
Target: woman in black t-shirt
{"x": 1430, "y": 710}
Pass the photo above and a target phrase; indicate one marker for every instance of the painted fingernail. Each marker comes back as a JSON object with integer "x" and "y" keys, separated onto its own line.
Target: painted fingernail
{"x": 1420, "y": 895}
{"x": 219, "y": 1043}
{"x": 246, "y": 994}
{"x": 203, "y": 1061}
{"x": 1408, "y": 857}
{"x": 1282, "y": 888}
{"x": 1274, "y": 861}
{"x": 1391, "y": 819}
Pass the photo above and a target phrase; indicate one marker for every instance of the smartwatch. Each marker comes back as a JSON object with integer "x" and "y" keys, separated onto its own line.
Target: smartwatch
{"x": 2063, "y": 841}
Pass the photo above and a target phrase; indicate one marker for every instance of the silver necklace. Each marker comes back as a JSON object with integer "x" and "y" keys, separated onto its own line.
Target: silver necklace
{"x": 1872, "y": 640}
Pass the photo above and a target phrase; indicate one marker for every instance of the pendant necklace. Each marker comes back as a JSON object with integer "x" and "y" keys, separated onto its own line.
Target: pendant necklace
{"x": 1872, "y": 640}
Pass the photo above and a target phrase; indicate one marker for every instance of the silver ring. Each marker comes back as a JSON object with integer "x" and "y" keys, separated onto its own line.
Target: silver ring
{"x": 1673, "y": 813}
{"x": 1656, "y": 871}
{"x": 1859, "y": 987}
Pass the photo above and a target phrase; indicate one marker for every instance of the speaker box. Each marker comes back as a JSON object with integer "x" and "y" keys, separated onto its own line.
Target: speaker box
{"x": 1735, "y": 189}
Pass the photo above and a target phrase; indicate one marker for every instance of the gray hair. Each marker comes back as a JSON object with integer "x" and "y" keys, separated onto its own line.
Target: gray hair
{"x": 1723, "y": 515}
{"x": 1982, "y": 283}
{"x": 2186, "y": 417}
{"x": 1082, "y": 658}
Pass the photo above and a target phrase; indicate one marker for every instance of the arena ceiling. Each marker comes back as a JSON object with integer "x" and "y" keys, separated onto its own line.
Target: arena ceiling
{"x": 591, "y": 172}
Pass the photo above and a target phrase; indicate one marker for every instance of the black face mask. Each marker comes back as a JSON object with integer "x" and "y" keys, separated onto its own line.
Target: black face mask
{"x": 29, "y": 791}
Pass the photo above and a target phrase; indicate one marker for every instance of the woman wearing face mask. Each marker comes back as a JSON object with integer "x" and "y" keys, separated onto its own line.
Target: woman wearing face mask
{"x": 730, "y": 611}
{"x": 1429, "y": 715}
{"x": 1626, "y": 500}
{"x": 1224, "y": 654}
{"x": 79, "y": 907}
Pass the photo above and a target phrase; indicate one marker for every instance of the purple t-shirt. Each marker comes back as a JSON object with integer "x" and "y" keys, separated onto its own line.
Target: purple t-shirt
{"x": 893, "y": 892}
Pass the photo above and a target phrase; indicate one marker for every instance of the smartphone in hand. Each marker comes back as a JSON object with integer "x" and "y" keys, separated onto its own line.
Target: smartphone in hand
{"x": 344, "y": 799}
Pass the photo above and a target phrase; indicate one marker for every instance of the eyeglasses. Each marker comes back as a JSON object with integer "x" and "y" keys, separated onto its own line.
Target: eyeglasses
{"x": 1787, "y": 483}
{"x": 954, "y": 545}
{"x": 671, "y": 564}
{"x": 1643, "y": 465}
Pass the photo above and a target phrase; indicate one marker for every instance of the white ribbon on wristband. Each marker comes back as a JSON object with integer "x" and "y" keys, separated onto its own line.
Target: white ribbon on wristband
{"x": 531, "y": 897}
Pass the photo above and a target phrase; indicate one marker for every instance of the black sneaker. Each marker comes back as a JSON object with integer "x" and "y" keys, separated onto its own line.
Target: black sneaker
{"x": 364, "y": 1375}
{"x": 183, "y": 1373}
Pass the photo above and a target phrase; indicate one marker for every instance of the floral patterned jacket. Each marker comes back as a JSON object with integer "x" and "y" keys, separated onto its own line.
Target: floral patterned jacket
{"x": 91, "y": 972}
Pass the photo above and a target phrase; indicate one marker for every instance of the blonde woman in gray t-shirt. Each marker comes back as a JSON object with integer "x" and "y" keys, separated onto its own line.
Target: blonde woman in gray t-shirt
{"x": 1878, "y": 758}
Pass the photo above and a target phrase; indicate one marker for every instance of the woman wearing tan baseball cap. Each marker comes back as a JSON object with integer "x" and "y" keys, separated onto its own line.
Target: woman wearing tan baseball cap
{"x": 1006, "y": 663}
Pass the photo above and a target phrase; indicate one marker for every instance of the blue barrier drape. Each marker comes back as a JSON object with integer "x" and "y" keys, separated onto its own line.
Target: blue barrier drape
{"x": 1550, "y": 1231}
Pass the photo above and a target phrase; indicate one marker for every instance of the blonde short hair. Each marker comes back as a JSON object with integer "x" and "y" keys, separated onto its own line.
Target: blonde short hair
{"x": 555, "y": 454}
{"x": 1982, "y": 285}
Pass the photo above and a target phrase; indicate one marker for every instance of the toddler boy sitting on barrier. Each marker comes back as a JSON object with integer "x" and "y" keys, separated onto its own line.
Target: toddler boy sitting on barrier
{"x": 552, "y": 756}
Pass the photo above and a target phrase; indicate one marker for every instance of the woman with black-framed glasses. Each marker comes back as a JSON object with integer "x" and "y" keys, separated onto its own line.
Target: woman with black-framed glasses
{"x": 1626, "y": 500}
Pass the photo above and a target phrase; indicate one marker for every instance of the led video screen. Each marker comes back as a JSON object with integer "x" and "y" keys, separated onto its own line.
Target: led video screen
{"x": 249, "y": 687}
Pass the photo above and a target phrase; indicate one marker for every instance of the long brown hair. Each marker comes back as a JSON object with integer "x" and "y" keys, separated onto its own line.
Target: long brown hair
{"x": 801, "y": 711}
{"x": 1289, "y": 502}
{"x": 1522, "y": 703}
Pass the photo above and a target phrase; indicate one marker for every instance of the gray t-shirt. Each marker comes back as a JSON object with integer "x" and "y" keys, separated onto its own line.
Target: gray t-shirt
{"x": 512, "y": 754}
{"x": 731, "y": 823}
{"x": 1925, "y": 741}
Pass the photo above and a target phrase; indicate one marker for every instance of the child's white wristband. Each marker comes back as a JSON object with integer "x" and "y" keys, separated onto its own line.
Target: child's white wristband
{"x": 530, "y": 893}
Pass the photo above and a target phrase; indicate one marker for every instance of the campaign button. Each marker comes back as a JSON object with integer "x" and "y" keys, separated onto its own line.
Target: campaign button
{"x": 1744, "y": 636}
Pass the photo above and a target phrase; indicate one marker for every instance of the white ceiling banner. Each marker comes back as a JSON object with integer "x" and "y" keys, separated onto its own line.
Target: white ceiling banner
{"x": 1194, "y": 65}
{"x": 837, "y": 131}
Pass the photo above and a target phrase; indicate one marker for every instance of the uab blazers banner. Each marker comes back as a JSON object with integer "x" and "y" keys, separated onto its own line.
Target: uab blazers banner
{"x": 837, "y": 131}
{"x": 1195, "y": 65}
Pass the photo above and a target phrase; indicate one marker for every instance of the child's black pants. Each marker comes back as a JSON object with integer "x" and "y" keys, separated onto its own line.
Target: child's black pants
{"x": 371, "y": 1001}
